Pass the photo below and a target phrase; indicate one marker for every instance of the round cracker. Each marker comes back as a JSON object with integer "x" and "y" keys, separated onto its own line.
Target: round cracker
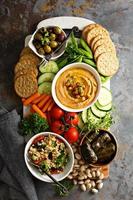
{"x": 25, "y": 85}
{"x": 32, "y": 71}
{"x": 30, "y": 57}
{"x": 95, "y": 32}
{"x": 95, "y": 39}
{"x": 25, "y": 51}
{"x": 107, "y": 64}
{"x": 106, "y": 41}
{"x": 87, "y": 29}
{"x": 102, "y": 49}
{"x": 20, "y": 66}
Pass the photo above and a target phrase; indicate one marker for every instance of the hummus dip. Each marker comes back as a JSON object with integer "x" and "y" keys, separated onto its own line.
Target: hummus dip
{"x": 76, "y": 88}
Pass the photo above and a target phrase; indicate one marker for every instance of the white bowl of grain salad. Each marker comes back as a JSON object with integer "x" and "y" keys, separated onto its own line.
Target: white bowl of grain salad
{"x": 52, "y": 153}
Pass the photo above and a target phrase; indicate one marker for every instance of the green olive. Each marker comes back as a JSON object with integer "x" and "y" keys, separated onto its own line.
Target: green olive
{"x": 38, "y": 36}
{"x": 57, "y": 30}
{"x": 53, "y": 44}
{"x": 47, "y": 48}
{"x": 42, "y": 30}
{"x": 41, "y": 51}
{"x": 52, "y": 36}
{"x": 37, "y": 45}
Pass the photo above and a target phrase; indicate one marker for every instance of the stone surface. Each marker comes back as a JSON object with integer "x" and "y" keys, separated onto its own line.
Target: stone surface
{"x": 19, "y": 18}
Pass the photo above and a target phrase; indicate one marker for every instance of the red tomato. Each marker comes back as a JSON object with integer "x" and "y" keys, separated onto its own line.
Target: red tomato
{"x": 57, "y": 127}
{"x": 72, "y": 135}
{"x": 57, "y": 112}
{"x": 39, "y": 138}
{"x": 72, "y": 118}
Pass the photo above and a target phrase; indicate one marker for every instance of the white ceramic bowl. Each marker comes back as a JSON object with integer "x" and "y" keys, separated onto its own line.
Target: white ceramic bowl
{"x": 70, "y": 66}
{"x": 31, "y": 45}
{"x": 34, "y": 171}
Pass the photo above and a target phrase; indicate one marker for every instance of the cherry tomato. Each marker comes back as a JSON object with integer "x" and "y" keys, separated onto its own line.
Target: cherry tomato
{"x": 57, "y": 127}
{"x": 57, "y": 112}
{"x": 72, "y": 135}
{"x": 71, "y": 118}
{"x": 39, "y": 138}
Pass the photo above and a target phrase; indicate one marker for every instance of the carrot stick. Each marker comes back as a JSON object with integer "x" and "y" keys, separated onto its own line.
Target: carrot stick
{"x": 36, "y": 101}
{"x": 31, "y": 98}
{"x": 31, "y": 110}
{"x": 43, "y": 101}
{"x": 47, "y": 105}
{"x": 51, "y": 105}
{"x": 37, "y": 110}
{"x": 23, "y": 99}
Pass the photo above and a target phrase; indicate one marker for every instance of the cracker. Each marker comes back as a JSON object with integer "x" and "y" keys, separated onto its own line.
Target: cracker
{"x": 106, "y": 41}
{"x": 95, "y": 32}
{"x": 25, "y": 51}
{"x": 103, "y": 49}
{"x": 107, "y": 64}
{"x": 20, "y": 66}
{"x": 30, "y": 57}
{"x": 95, "y": 39}
{"x": 87, "y": 29}
{"x": 25, "y": 85}
{"x": 32, "y": 71}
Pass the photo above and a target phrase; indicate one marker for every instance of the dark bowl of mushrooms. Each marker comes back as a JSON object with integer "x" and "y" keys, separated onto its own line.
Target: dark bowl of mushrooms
{"x": 98, "y": 147}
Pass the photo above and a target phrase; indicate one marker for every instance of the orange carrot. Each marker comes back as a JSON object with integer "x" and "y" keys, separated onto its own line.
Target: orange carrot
{"x": 23, "y": 99}
{"x": 37, "y": 110}
{"x": 36, "y": 101}
{"x": 31, "y": 98}
{"x": 43, "y": 101}
{"x": 47, "y": 105}
{"x": 48, "y": 118}
{"x": 51, "y": 105}
{"x": 31, "y": 110}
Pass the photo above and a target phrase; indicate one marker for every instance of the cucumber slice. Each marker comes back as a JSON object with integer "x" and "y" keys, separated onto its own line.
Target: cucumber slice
{"x": 46, "y": 77}
{"x": 84, "y": 116}
{"x": 97, "y": 112}
{"x": 92, "y": 118}
{"x": 80, "y": 122}
{"x": 45, "y": 88}
{"x": 51, "y": 66}
{"x": 105, "y": 97}
{"x": 104, "y": 108}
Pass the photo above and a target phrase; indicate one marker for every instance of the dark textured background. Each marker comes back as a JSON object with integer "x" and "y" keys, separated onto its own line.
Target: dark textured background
{"x": 19, "y": 18}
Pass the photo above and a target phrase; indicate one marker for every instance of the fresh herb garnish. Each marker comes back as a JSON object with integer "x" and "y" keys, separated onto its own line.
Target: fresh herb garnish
{"x": 68, "y": 184}
{"x": 33, "y": 124}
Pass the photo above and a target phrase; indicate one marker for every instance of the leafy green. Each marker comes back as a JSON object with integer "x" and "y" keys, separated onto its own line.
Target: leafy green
{"x": 33, "y": 124}
{"x": 68, "y": 184}
{"x": 61, "y": 159}
{"x": 44, "y": 166}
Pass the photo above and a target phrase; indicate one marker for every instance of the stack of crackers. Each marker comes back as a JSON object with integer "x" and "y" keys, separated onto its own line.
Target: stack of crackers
{"x": 25, "y": 79}
{"x": 98, "y": 39}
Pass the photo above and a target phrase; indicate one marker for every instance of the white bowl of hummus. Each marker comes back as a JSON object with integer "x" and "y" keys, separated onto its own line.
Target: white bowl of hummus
{"x": 76, "y": 87}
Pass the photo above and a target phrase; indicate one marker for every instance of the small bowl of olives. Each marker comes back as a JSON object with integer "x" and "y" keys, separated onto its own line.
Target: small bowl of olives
{"x": 46, "y": 40}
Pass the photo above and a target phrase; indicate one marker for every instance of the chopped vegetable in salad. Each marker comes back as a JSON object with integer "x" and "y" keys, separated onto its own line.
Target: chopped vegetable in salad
{"x": 49, "y": 153}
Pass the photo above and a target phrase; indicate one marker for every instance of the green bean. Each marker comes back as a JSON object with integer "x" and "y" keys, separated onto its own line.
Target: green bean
{"x": 86, "y": 47}
{"x": 85, "y": 53}
{"x": 89, "y": 62}
{"x": 63, "y": 63}
{"x": 74, "y": 41}
{"x": 80, "y": 59}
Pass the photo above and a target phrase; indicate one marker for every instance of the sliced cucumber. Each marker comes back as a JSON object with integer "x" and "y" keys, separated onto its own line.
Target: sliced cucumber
{"x": 84, "y": 116}
{"x": 46, "y": 77}
{"x": 104, "y": 108}
{"x": 45, "y": 88}
{"x": 93, "y": 119}
{"x": 97, "y": 112}
{"x": 51, "y": 66}
{"x": 105, "y": 97}
{"x": 80, "y": 122}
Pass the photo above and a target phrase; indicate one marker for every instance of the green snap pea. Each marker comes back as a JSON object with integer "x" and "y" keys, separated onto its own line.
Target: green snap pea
{"x": 85, "y": 53}
{"x": 86, "y": 47}
{"x": 63, "y": 63}
{"x": 89, "y": 62}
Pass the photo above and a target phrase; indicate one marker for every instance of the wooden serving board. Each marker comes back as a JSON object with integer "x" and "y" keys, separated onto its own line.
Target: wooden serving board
{"x": 67, "y": 22}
